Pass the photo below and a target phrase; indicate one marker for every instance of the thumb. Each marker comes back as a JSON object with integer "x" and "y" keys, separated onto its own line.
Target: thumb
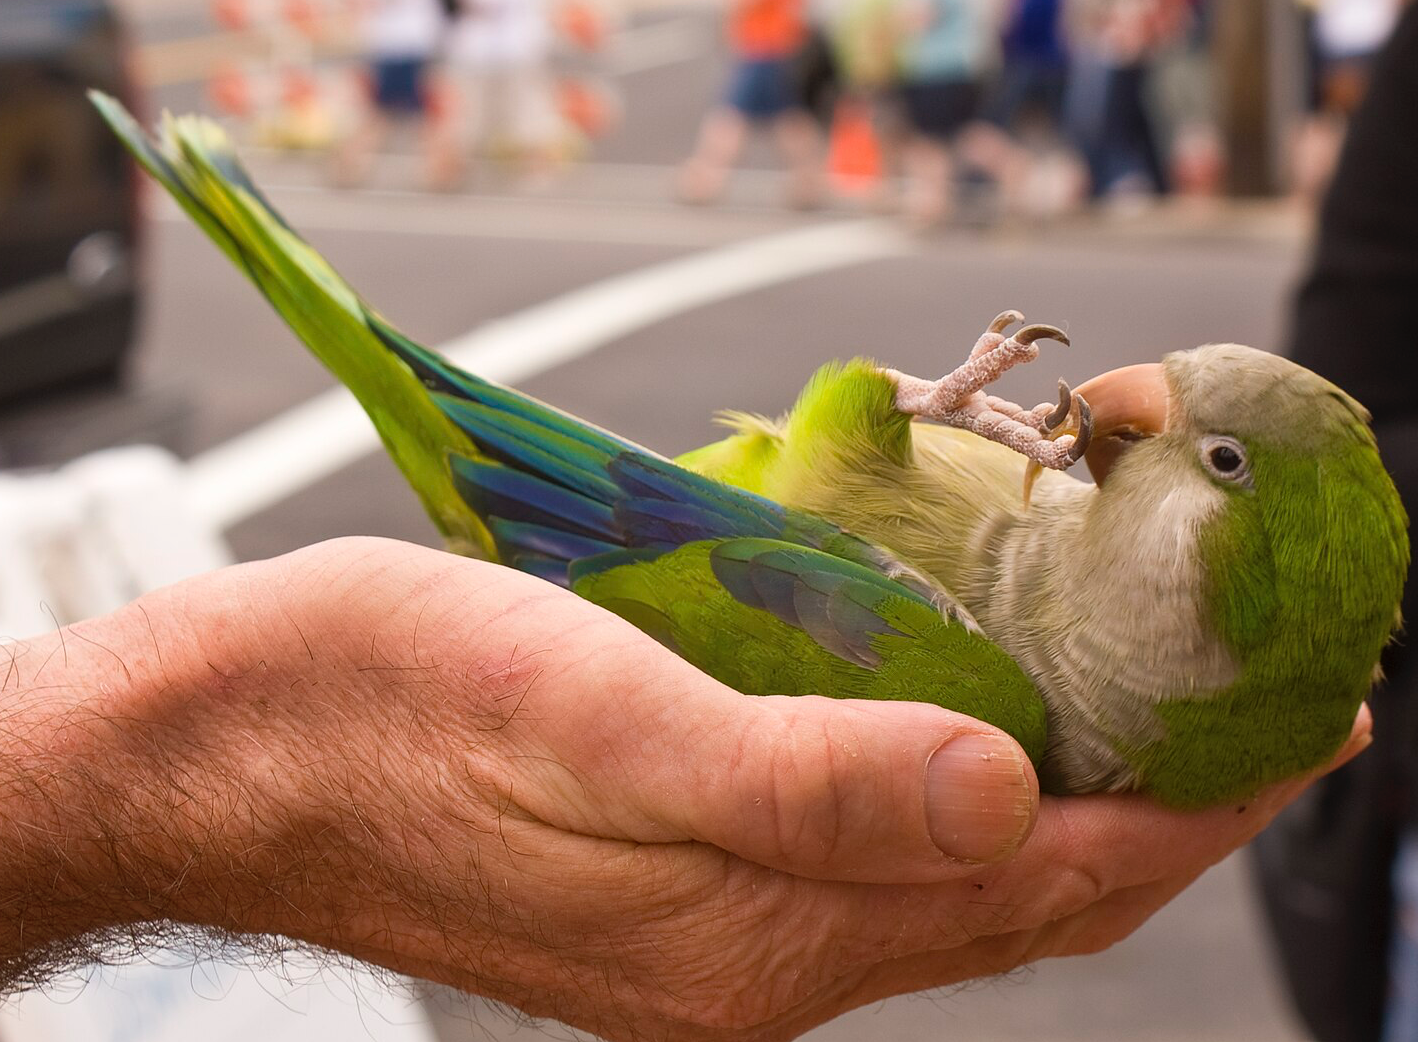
{"x": 870, "y": 791}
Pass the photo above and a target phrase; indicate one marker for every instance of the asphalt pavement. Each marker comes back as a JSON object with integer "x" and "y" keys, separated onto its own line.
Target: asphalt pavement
{"x": 1126, "y": 289}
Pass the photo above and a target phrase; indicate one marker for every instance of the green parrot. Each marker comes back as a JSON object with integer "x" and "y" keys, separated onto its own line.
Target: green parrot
{"x": 1202, "y": 621}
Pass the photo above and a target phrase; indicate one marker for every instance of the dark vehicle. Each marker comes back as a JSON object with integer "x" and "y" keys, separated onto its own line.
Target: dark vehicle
{"x": 68, "y": 198}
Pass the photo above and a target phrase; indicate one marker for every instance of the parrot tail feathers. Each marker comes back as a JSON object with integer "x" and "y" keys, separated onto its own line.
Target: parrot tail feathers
{"x": 171, "y": 168}
{"x": 194, "y": 160}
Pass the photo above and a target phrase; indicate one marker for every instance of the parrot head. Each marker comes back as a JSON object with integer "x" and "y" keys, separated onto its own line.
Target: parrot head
{"x": 1290, "y": 521}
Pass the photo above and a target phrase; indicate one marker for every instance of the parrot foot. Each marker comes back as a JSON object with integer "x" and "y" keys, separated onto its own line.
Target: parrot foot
{"x": 1048, "y": 435}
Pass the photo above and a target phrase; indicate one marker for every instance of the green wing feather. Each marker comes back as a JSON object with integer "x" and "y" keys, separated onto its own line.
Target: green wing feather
{"x": 814, "y": 624}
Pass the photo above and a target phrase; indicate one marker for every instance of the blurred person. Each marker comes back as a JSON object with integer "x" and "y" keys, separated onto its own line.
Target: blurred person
{"x": 947, "y": 49}
{"x": 278, "y": 85}
{"x": 816, "y": 73}
{"x": 1040, "y": 175}
{"x": 1112, "y": 44}
{"x": 866, "y": 39}
{"x": 1344, "y": 37}
{"x": 400, "y": 38}
{"x": 1339, "y": 870}
{"x": 765, "y": 36}
{"x": 1187, "y": 105}
{"x": 1028, "y": 95}
{"x": 586, "y": 98}
{"x": 863, "y": 36}
{"x": 500, "y": 88}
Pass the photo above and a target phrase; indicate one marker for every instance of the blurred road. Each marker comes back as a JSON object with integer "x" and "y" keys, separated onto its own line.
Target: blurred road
{"x": 439, "y": 266}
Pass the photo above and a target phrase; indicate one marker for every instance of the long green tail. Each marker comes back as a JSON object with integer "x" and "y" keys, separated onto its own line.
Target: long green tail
{"x": 194, "y": 160}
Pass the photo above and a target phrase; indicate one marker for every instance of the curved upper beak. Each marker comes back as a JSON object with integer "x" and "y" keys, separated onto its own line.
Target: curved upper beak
{"x": 1129, "y": 404}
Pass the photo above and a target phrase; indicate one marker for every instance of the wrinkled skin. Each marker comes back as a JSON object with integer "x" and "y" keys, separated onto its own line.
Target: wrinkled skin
{"x": 468, "y": 775}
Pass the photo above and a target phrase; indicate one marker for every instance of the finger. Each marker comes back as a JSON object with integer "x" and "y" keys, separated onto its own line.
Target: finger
{"x": 1095, "y": 929}
{"x": 842, "y": 934}
{"x": 876, "y": 979}
{"x": 1361, "y": 736}
{"x": 823, "y": 788}
{"x": 1082, "y": 849}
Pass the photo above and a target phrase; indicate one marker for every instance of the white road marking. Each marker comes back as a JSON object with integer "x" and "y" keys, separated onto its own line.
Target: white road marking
{"x": 258, "y": 469}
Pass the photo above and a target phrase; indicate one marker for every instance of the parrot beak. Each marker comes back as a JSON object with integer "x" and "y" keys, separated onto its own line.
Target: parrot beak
{"x": 1129, "y": 404}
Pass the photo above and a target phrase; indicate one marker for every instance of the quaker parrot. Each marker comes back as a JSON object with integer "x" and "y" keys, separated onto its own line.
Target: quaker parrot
{"x": 1202, "y": 621}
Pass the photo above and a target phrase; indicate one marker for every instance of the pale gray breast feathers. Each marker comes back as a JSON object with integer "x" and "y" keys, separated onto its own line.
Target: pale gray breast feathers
{"x": 1098, "y": 599}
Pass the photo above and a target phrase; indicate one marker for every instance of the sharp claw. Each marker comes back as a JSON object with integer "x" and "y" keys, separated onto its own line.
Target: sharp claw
{"x": 958, "y": 399}
{"x": 1004, "y": 320}
{"x": 1029, "y": 334}
{"x": 1085, "y": 429}
{"x": 1055, "y": 419}
{"x": 1032, "y": 470}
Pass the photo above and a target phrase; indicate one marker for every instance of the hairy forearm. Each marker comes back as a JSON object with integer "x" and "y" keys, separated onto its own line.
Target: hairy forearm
{"x": 135, "y": 783}
{"x": 237, "y": 754}
{"x": 76, "y": 802}
{"x": 155, "y": 769}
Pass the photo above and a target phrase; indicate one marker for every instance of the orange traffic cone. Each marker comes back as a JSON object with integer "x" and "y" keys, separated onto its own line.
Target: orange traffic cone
{"x": 853, "y": 151}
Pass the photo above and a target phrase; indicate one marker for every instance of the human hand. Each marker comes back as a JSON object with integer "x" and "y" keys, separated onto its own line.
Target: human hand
{"x": 465, "y": 774}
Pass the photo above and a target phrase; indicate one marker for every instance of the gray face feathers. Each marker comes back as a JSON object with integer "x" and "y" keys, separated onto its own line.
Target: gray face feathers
{"x": 1230, "y": 389}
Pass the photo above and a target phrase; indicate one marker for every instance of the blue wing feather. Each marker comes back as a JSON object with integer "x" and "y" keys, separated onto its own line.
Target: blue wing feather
{"x": 542, "y": 566}
{"x": 522, "y": 536}
{"x": 566, "y": 500}
{"x": 667, "y": 523}
{"x": 498, "y": 491}
{"x": 520, "y": 443}
{"x": 651, "y": 477}
{"x": 583, "y": 567}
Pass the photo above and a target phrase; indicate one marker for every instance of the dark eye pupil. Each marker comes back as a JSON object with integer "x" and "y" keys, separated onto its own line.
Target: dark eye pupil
{"x": 1225, "y": 459}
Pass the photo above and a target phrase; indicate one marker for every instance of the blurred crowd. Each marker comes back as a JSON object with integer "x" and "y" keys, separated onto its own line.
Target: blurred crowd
{"x": 1033, "y": 108}
{"x": 1057, "y": 103}
{"x": 514, "y": 80}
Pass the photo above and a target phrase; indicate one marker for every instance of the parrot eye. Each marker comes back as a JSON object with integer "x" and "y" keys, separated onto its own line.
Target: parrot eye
{"x": 1226, "y": 458}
